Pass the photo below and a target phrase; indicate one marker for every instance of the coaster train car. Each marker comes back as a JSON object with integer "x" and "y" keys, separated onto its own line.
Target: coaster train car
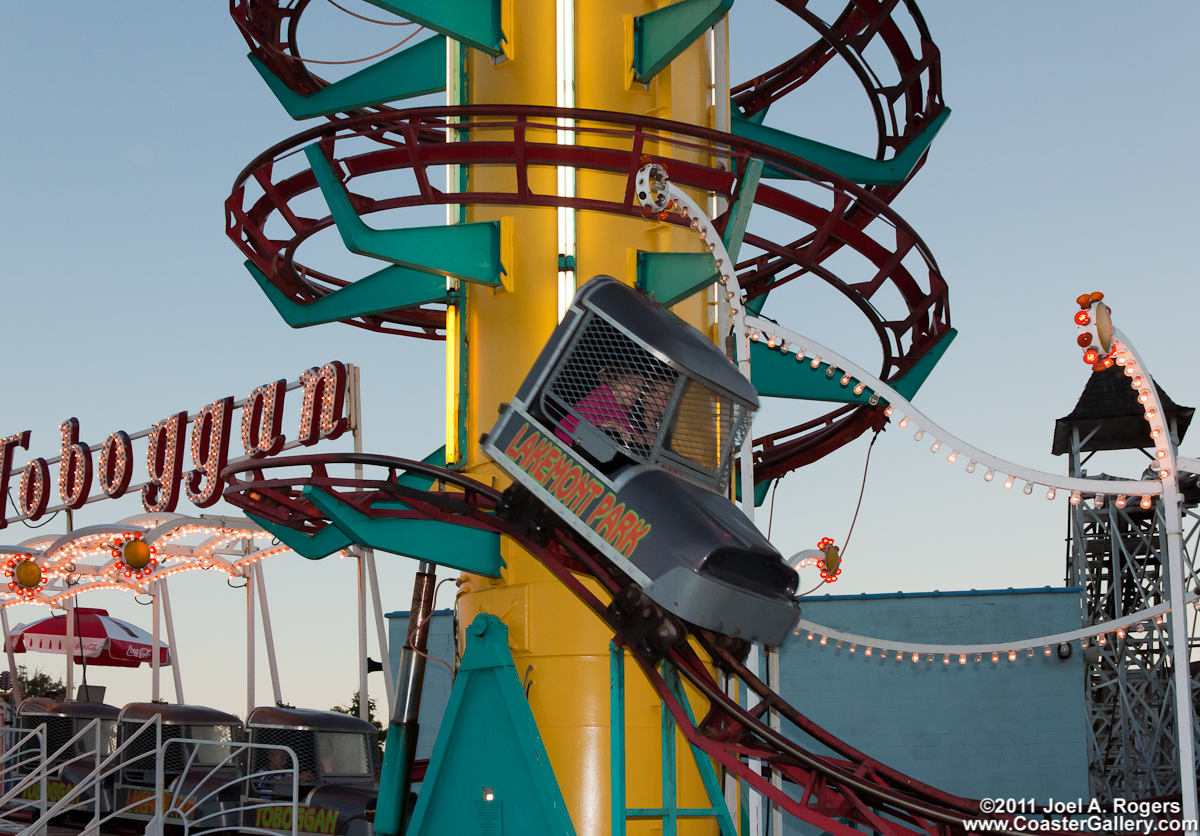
{"x": 625, "y": 430}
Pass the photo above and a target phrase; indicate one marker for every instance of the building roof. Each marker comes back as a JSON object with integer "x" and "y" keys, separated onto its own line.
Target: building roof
{"x": 1109, "y": 411}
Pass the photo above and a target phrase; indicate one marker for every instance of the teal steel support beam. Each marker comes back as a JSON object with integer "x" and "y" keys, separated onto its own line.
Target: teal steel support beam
{"x": 325, "y": 542}
{"x": 390, "y": 289}
{"x": 470, "y": 252}
{"x": 673, "y": 277}
{"x": 616, "y": 722}
{"x": 853, "y": 167}
{"x": 661, "y": 35}
{"x": 489, "y": 743}
{"x": 739, "y": 213}
{"x": 446, "y": 544}
{"x": 776, "y": 374}
{"x": 415, "y": 71}
{"x": 477, "y": 23}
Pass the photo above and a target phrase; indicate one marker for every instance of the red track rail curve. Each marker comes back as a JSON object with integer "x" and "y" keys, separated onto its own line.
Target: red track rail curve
{"x": 847, "y": 786}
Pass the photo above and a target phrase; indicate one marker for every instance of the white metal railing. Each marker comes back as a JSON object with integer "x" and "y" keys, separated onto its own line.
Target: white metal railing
{"x": 22, "y": 753}
{"x": 97, "y": 782}
{"x": 47, "y": 782}
{"x": 205, "y": 798}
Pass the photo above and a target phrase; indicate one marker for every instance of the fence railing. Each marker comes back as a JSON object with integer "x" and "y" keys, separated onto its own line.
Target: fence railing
{"x": 22, "y": 755}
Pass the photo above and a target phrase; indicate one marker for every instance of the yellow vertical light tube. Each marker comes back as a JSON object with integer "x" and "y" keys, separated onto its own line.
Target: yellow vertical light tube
{"x": 560, "y": 648}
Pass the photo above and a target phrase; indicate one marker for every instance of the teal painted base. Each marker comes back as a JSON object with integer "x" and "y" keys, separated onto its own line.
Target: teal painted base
{"x": 489, "y": 743}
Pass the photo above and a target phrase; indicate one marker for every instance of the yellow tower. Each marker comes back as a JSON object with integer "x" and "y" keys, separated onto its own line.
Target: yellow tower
{"x": 560, "y": 647}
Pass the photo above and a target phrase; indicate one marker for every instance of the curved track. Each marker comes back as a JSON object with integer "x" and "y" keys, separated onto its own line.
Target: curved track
{"x": 848, "y": 786}
{"x": 416, "y": 139}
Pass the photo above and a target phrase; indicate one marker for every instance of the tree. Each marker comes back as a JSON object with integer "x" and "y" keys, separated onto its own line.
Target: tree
{"x": 40, "y": 684}
{"x": 353, "y": 710}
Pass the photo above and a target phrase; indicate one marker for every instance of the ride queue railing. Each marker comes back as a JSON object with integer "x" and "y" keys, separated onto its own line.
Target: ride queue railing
{"x": 22, "y": 757}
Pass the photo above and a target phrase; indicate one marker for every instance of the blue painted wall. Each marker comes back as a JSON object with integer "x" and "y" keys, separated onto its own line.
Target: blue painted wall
{"x": 981, "y": 730}
{"x": 436, "y": 693}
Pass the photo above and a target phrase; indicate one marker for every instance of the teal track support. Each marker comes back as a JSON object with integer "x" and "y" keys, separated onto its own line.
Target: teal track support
{"x": 470, "y": 252}
{"x": 446, "y": 544}
{"x": 739, "y": 213}
{"x": 415, "y": 71}
{"x": 911, "y": 382}
{"x": 311, "y": 546}
{"x": 673, "y": 277}
{"x": 390, "y": 289}
{"x": 854, "y": 167}
{"x": 659, "y": 36}
{"x": 775, "y": 374}
{"x": 760, "y": 490}
{"x": 670, "y": 813}
{"x": 477, "y": 23}
{"x": 489, "y": 742}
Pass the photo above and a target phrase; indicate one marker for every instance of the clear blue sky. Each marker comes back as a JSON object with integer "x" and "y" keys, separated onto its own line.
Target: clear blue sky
{"x": 1066, "y": 167}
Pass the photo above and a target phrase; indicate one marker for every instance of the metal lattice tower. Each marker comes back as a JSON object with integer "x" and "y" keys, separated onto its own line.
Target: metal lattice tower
{"x": 1117, "y": 556}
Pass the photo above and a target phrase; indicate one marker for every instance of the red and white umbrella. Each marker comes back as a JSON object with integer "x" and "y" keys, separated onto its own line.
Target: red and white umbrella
{"x": 101, "y": 639}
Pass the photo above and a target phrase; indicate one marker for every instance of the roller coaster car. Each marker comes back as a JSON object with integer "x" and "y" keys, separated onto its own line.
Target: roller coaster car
{"x": 336, "y": 761}
{"x": 625, "y": 430}
{"x": 202, "y": 780}
{"x": 63, "y": 720}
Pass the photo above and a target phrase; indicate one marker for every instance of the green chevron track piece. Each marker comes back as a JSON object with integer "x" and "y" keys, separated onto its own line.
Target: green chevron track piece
{"x": 418, "y": 70}
{"x": 477, "y": 23}
{"x": 470, "y": 252}
{"x": 776, "y": 374}
{"x": 739, "y": 213}
{"x": 390, "y": 289}
{"x": 673, "y": 277}
{"x": 661, "y": 35}
{"x": 311, "y": 546}
{"x": 446, "y": 544}
{"x": 853, "y": 167}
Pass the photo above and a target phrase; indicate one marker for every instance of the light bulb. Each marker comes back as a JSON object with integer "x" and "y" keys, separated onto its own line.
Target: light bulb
{"x": 888, "y": 411}
{"x": 1098, "y": 502}
{"x": 816, "y": 362}
{"x": 971, "y": 466}
{"x": 946, "y": 659}
{"x": 1138, "y": 381}
{"x": 995, "y": 658}
{"x": 978, "y": 657}
{"x": 810, "y": 636}
{"x": 962, "y": 658}
{"x": 1156, "y": 432}
{"x": 830, "y": 372}
{"x": 1143, "y": 396}
{"x": 1102, "y": 639}
{"x": 903, "y": 422}
{"x": 1028, "y": 489}
{"x": 1012, "y": 655}
{"x": 852, "y": 647}
{"x": 1121, "y": 500}
{"x": 1151, "y": 413}
{"x": 845, "y": 379}
{"x": 933, "y": 448}
{"x": 1164, "y": 473}
{"x": 1029, "y": 655}
{"x": 824, "y": 639}
{"x": 858, "y": 389}
{"x": 991, "y": 474}
{"x": 800, "y": 355}
{"x": 1050, "y": 494}
{"x": 1075, "y": 497}
{"x": 919, "y": 434}
{"x": 916, "y": 657}
{"x": 1146, "y": 501}
{"x": 1008, "y": 483}
{"x": 952, "y": 457}
{"x": 867, "y": 652}
{"x": 1046, "y": 650}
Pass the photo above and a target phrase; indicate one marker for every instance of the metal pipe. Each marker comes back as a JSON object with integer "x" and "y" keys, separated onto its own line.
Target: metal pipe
{"x": 156, "y": 644}
{"x": 381, "y": 631}
{"x": 17, "y": 694}
{"x": 176, "y": 673}
{"x": 249, "y": 643}
{"x": 400, "y": 749}
{"x": 71, "y": 649}
{"x": 267, "y": 634}
{"x": 354, "y": 411}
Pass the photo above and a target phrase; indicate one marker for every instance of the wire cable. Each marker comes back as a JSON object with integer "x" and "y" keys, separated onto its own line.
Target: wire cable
{"x": 371, "y": 20}
{"x": 353, "y": 60}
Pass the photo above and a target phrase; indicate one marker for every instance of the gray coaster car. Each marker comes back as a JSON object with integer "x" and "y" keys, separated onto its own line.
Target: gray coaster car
{"x": 63, "y": 721}
{"x": 199, "y": 781}
{"x": 626, "y": 429}
{"x": 336, "y": 759}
